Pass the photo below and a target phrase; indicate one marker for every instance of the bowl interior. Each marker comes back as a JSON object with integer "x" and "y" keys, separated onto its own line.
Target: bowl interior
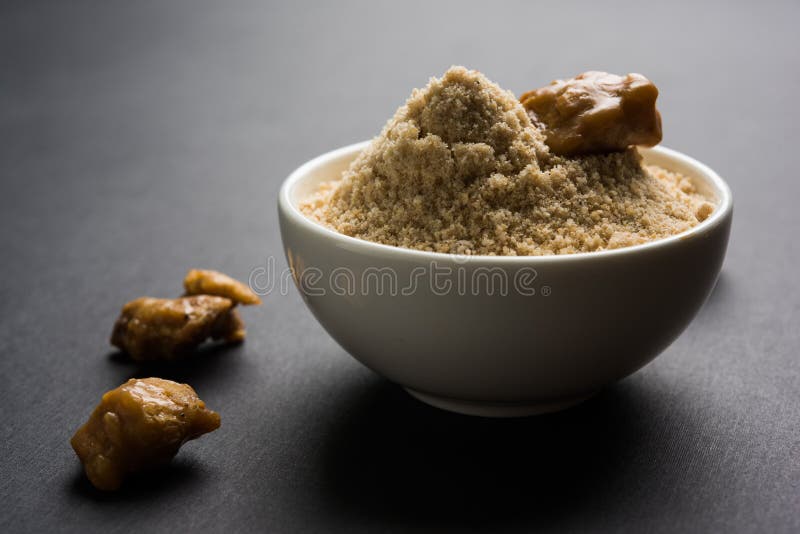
{"x": 325, "y": 168}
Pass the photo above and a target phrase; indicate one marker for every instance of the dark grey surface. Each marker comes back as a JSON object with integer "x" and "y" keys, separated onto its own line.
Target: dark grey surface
{"x": 138, "y": 139}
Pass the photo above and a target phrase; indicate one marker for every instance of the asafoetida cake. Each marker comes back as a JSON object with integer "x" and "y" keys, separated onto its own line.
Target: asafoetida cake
{"x": 462, "y": 169}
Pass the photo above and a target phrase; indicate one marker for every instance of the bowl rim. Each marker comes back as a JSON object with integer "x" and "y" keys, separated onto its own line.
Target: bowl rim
{"x": 724, "y": 207}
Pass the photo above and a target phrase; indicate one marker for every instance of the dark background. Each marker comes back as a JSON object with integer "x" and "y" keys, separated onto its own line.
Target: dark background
{"x": 139, "y": 139}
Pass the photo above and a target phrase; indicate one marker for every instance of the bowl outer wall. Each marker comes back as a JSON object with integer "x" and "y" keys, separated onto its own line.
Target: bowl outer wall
{"x": 594, "y": 318}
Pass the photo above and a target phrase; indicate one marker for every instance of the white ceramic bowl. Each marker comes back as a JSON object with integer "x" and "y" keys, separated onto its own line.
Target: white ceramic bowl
{"x": 563, "y": 328}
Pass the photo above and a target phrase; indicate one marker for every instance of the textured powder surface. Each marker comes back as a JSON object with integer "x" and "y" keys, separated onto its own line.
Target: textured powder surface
{"x": 460, "y": 169}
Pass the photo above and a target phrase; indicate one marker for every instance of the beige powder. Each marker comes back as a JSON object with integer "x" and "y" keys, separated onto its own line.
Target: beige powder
{"x": 460, "y": 169}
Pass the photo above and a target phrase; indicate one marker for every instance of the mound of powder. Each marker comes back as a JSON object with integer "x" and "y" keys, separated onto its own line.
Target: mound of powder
{"x": 461, "y": 169}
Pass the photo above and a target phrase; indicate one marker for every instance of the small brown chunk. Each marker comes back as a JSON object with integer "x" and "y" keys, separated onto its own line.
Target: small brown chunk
{"x": 203, "y": 282}
{"x": 166, "y": 329}
{"x": 139, "y": 425}
{"x": 704, "y": 211}
{"x": 596, "y": 112}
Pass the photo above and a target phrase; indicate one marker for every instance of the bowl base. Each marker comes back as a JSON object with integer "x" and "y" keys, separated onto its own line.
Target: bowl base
{"x": 495, "y": 409}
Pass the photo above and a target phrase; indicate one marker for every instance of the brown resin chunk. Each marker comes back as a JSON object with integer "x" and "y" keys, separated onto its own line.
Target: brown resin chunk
{"x": 203, "y": 282}
{"x": 139, "y": 425}
{"x": 165, "y": 329}
{"x": 596, "y": 112}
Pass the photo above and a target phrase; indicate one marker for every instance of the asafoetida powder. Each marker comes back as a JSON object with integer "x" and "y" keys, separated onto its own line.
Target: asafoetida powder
{"x": 461, "y": 169}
